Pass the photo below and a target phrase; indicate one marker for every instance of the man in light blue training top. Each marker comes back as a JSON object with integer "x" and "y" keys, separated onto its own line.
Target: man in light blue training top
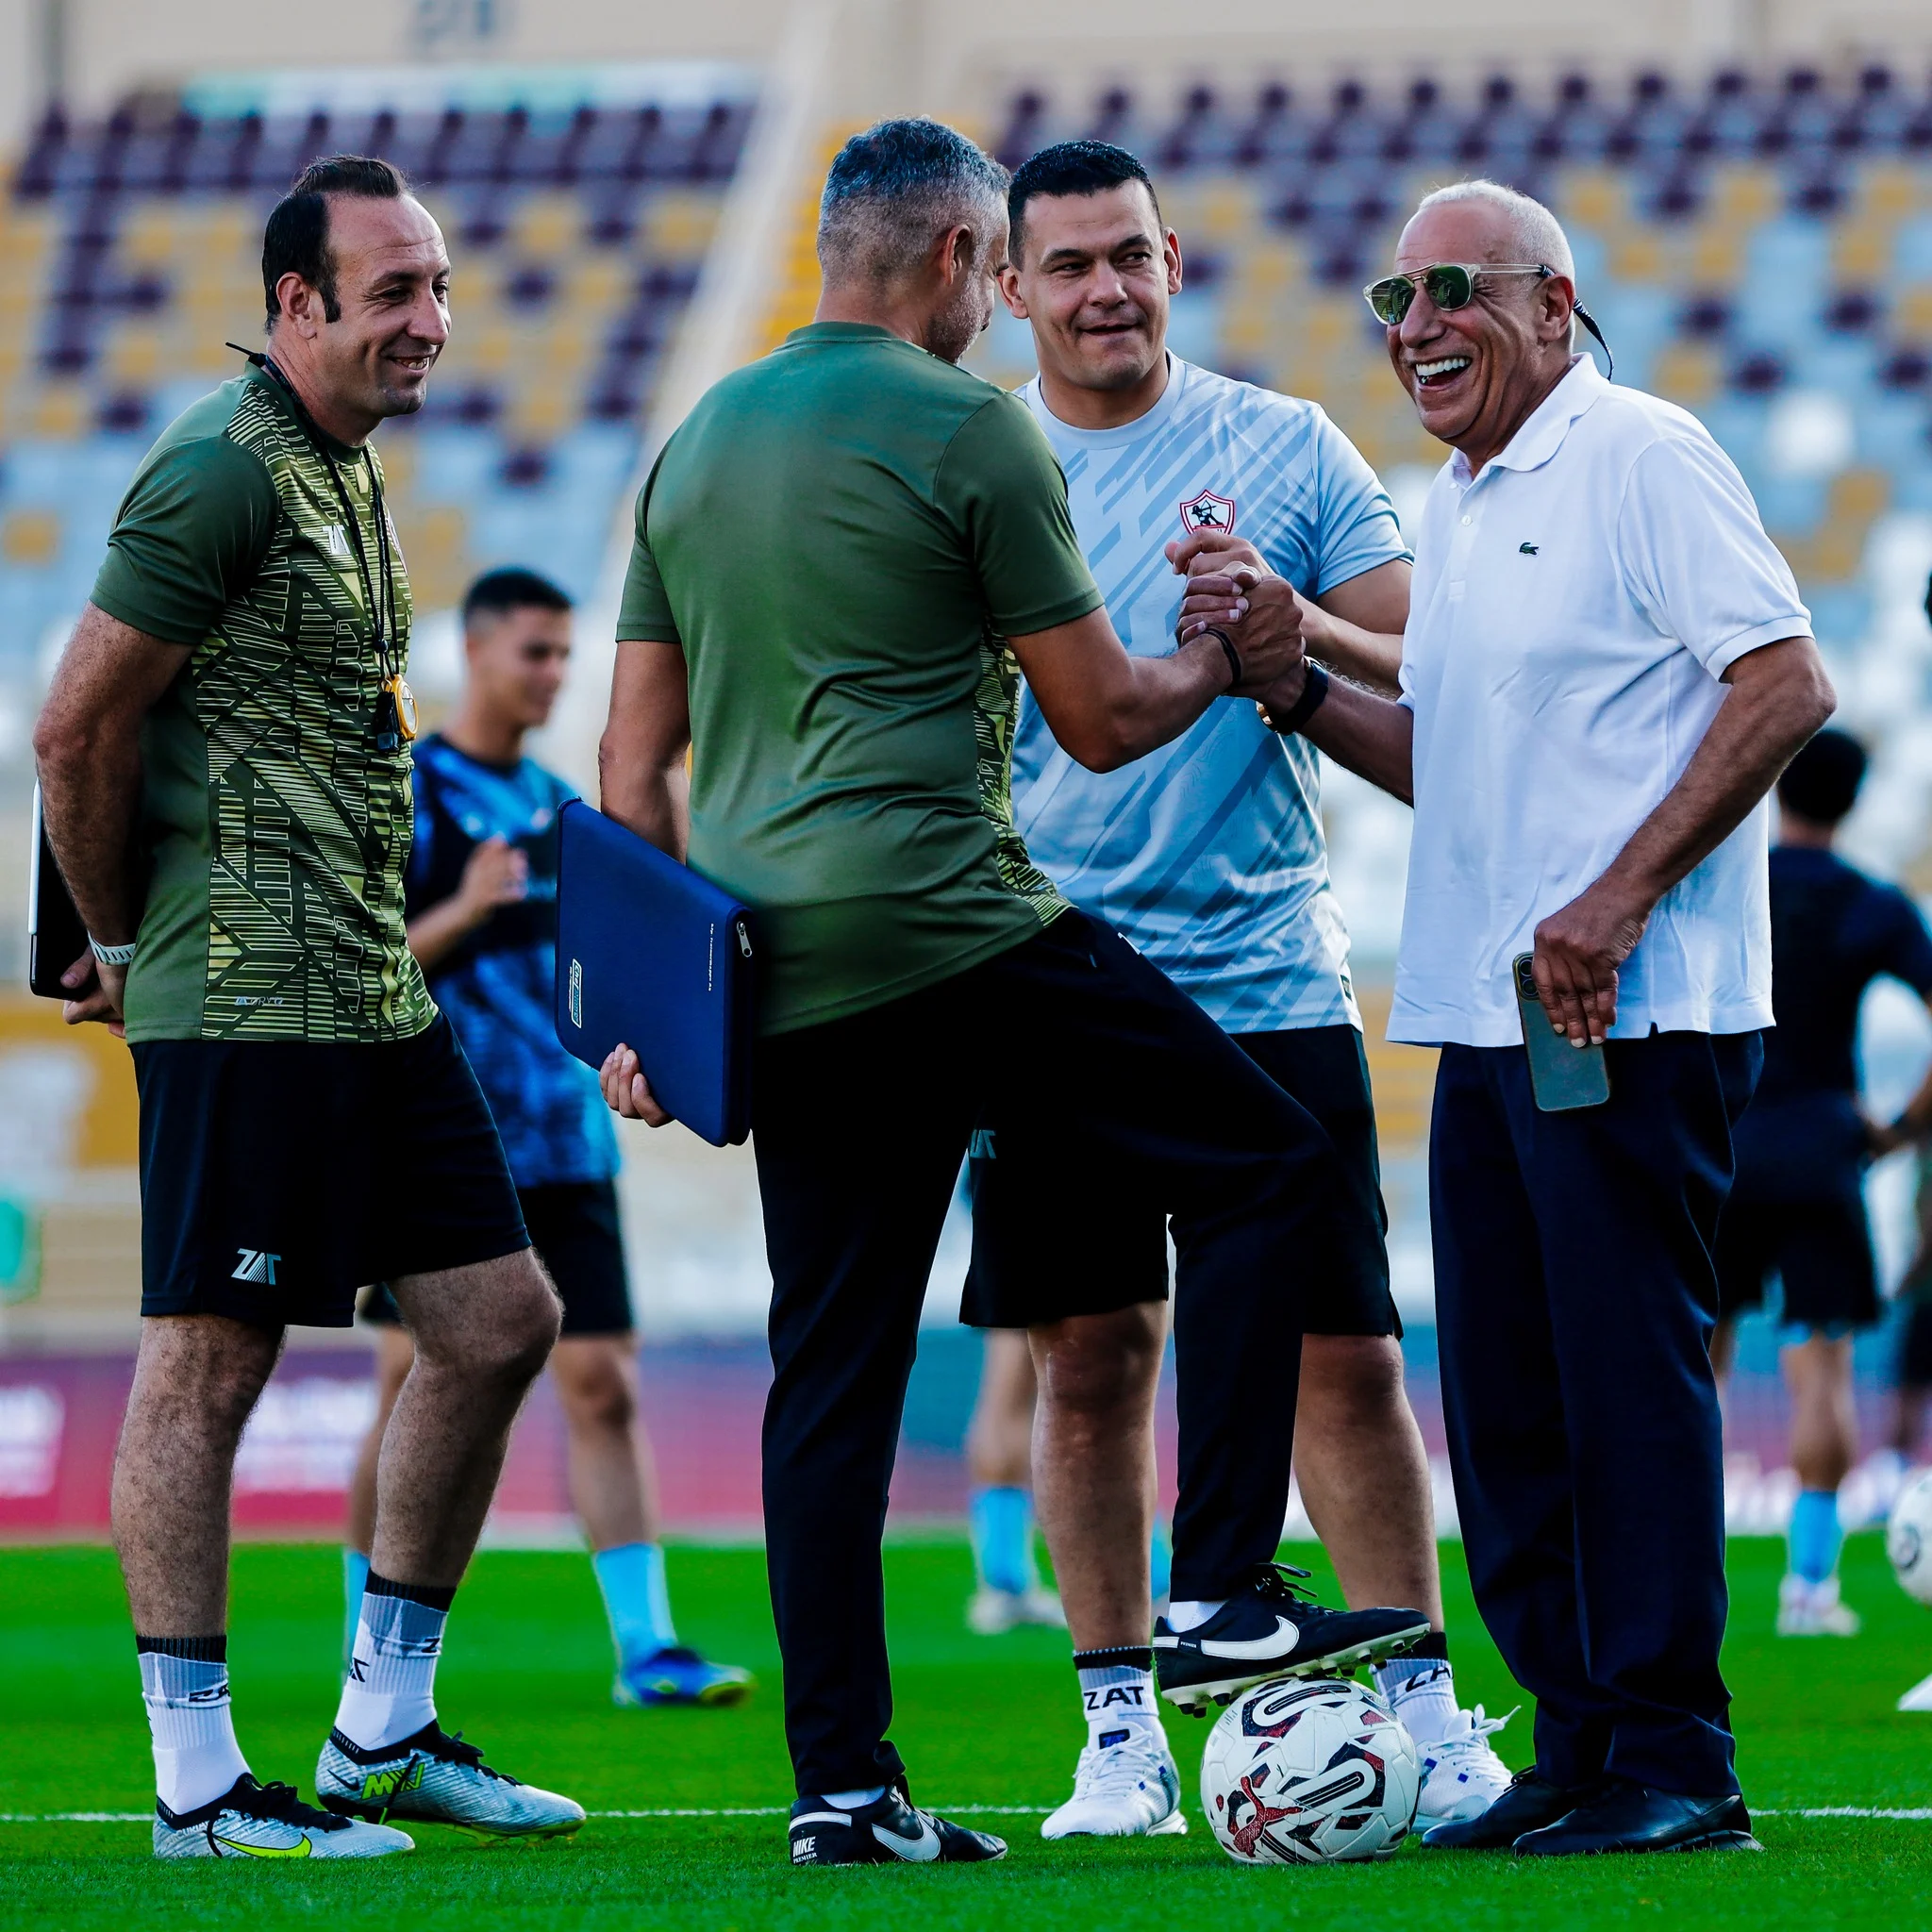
{"x": 1208, "y": 856}
{"x": 480, "y": 899}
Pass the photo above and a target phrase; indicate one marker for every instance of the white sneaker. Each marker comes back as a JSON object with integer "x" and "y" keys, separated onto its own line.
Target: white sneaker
{"x": 1813, "y": 1609}
{"x": 1919, "y": 1697}
{"x": 440, "y": 1780}
{"x": 1130, "y": 1790}
{"x": 252, "y": 1821}
{"x": 992, "y": 1612}
{"x": 1462, "y": 1776}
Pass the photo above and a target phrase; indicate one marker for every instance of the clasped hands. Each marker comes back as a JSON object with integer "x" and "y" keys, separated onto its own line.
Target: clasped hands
{"x": 1231, "y": 588}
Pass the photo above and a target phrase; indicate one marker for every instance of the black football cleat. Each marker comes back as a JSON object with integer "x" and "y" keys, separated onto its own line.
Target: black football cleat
{"x": 1634, "y": 1818}
{"x": 891, "y": 1830}
{"x": 1274, "y": 1629}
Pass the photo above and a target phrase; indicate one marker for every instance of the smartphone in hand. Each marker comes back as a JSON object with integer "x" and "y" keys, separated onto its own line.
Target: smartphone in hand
{"x": 1561, "y": 1077}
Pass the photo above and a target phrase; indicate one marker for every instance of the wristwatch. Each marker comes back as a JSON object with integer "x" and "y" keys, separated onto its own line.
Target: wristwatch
{"x": 1314, "y": 688}
{"x": 112, "y": 956}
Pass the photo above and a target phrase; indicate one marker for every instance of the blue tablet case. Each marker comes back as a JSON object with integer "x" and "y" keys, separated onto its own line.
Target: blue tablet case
{"x": 650, "y": 953}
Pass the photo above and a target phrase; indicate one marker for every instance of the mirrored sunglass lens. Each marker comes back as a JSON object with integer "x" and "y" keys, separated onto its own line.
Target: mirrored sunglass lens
{"x": 1449, "y": 286}
{"x": 1390, "y": 298}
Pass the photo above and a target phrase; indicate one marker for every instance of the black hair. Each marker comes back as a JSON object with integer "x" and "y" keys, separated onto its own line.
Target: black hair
{"x": 1072, "y": 167}
{"x": 889, "y": 186}
{"x": 1821, "y": 782}
{"x": 511, "y": 588}
{"x": 295, "y": 242}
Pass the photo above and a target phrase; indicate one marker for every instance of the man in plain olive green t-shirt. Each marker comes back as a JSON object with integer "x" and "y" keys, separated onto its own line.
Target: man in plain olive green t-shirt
{"x": 845, "y": 557}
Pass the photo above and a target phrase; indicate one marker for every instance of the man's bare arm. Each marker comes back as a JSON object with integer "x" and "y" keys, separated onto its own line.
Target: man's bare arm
{"x": 87, "y": 746}
{"x": 1370, "y": 735}
{"x": 1778, "y": 696}
{"x": 1359, "y": 625}
{"x": 641, "y": 783}
{"x": 1108, "y": 708}
{"x": 640, "y": 770}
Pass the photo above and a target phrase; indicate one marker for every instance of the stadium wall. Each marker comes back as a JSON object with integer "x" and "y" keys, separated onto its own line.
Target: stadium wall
{"x": 899, "y": 52}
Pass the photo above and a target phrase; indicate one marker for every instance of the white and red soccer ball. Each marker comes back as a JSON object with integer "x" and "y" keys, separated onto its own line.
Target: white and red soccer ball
{"x": 1309, "y": 1771}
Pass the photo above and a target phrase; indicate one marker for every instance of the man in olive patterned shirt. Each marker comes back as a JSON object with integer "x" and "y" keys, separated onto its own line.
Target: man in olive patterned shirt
{"x": 224, "y": 758}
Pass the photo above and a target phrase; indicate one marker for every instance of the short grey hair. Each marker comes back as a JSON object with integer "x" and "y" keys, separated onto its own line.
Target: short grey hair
{"x": 895, "y": 188}
{"x": 1536, "y": 234}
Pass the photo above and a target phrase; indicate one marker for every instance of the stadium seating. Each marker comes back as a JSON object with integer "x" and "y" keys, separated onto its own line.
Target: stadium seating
{"x": 130, "y": 251}
{"x": 1758, "y": 250}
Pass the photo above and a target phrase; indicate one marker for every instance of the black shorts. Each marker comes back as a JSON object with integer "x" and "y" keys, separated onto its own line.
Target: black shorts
{"x": 277, "y": 1177}
{"x": 574, "y": 1227}
{"x": 1053, "y": 1235}
{"x": 1822, "y": 1250}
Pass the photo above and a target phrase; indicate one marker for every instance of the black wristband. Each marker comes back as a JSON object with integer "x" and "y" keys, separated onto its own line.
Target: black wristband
{"x": 1314, "y": 688}
{"x": 1234, "y": 656}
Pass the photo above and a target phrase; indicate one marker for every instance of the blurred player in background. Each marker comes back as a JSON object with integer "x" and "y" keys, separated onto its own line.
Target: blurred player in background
{"x": 226, "y": 759}
{"x": 481, "y": 904}
{"x": 1208, "y": 856}
{"x": 1797, "y": 1209}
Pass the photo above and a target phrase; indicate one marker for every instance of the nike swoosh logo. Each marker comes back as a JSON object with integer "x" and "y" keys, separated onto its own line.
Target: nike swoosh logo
{"x": 300, "y": 1849}
{"x": 1246, "y": 1648}
{"x": 922, "y": 1850}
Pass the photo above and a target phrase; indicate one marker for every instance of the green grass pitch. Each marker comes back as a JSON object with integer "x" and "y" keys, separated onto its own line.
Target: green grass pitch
{"x": 982, "y": 1722}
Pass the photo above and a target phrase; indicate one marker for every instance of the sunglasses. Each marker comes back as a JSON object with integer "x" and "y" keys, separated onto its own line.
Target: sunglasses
{"x": 1452, "y": 285}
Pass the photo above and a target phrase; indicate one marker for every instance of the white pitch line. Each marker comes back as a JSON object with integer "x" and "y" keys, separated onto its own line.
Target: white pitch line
{"x": 1917, "y": 1814}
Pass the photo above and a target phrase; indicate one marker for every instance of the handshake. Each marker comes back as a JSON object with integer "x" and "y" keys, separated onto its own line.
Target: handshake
{"x": 1231, "y": 590}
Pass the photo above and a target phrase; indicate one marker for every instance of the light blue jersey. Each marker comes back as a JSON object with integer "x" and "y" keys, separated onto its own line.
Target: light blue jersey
{"x": 1208, "y": 855}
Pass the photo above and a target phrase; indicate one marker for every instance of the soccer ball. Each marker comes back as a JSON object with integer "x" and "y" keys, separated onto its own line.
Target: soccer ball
{"x": 1306, "y": 1772}
{"x": 1909, "y": 1538}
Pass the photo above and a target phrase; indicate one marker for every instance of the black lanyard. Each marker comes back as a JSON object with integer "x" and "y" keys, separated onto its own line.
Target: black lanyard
{"x": 379, "y": 593}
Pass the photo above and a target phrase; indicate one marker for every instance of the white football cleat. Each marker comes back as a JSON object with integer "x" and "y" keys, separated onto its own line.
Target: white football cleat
{"x": 437, "y": 1779}
{"x": 1128, "y": 1790}
{"x": 1813, "y": 1609}
{"x": 252, "y": 1821}
{"x": 994, "y": 1612}
{"x": 1919, "y": 1697}
{"x": 1462, "y": 1776}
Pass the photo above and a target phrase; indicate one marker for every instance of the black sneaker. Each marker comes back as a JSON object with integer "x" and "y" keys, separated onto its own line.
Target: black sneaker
{"x": 1530, "y": 1803}
{"x": 1274, "y": 1629}
{"x": 1624, "y": 1817}
{"x": 890, "y": 1831}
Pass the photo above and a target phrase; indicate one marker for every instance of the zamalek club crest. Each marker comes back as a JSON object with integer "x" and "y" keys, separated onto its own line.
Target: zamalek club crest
{"x": 1208, "y": 511}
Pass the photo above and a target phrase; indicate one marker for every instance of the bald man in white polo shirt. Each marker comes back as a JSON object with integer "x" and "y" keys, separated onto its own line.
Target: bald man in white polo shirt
{"x": 1606, "y": 665}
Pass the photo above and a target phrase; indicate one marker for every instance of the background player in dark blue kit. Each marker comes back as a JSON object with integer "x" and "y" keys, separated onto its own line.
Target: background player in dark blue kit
{"x": 1798, "y": 1209}
{"x": 481, "y": 904}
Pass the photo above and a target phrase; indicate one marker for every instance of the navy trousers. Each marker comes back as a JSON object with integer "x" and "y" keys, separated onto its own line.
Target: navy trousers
{"x": 1575, "y": 1296}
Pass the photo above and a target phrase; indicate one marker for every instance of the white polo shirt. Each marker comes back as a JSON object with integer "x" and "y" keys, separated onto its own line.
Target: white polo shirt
{"x": 1573, "y": 608}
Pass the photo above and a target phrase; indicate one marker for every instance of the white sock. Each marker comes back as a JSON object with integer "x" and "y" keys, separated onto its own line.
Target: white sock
{"x": 1185, "y": 1613}
{"x": 185, "y": 1687}
{"x": 1118, "y": 1696}
{"x": 1422, "y": 1691}
{"x": 390, "y": 1692}
{"x": 856, "y": 1801}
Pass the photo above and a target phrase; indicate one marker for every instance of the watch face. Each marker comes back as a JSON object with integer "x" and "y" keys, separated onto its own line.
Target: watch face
{"x": 406, "y": 708}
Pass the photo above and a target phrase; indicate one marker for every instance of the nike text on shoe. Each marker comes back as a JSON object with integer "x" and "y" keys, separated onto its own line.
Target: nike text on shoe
{"x": 252, "y": 1821}
{"x": 1274, "y": 1629}
{"x": 1462, "y": 1776}
{"x": 678, "y": 1674}
{"x": 891, "y": 1830}
{"x": 438, "y": 1779}
{"x": 1126, "y": 1786}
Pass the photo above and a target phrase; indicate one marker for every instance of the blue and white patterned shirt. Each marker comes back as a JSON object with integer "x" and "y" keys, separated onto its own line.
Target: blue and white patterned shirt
{"x": 1208, "y": 855}
{"x": 497, "y": 986}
